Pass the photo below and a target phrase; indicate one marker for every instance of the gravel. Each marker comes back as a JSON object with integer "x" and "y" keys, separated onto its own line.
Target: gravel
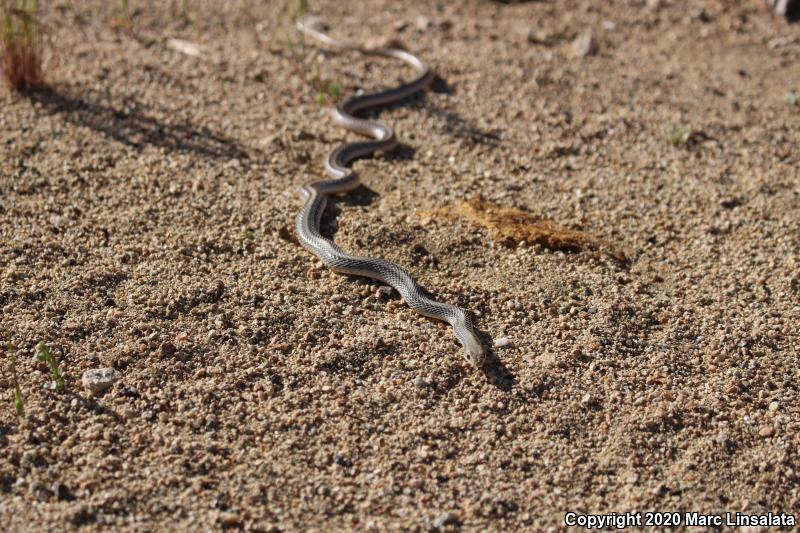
{"x": 147, "y": 206}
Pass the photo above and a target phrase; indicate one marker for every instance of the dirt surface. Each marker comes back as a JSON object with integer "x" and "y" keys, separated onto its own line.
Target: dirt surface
{"x": 146, "y": 224}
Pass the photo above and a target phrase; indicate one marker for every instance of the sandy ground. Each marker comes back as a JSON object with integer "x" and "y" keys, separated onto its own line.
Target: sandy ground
{"x": 146, "y": 217}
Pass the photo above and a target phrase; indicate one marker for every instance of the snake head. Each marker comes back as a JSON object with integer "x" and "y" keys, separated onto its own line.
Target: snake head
{"x": 464, "y": 330}
{"x": 474, "y": 354}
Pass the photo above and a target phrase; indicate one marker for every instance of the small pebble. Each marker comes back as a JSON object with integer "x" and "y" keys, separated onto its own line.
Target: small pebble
{"x": 538, "y": 36}
{"x": 96, "y": 380}
{"x": 228, "y": 519}
{"x": 658, "y": 490}
{"x": 767, "y": 431}
{"x": 184, "y": 47}
{"x": 39, "y": 491}
{"x": 700, "y": 14}
{"x": 446, "y": 519}
{"x": 58, "y": 221}
{"x": 400, "y": 25}
{"x": 166, "y": 349}
{"x": 584, "y": 45}
{"x": 423, "y": 23}
{"x": 315, "y": 23}
{"x": 61, "y": 491}
{"x": 502, "y": 341}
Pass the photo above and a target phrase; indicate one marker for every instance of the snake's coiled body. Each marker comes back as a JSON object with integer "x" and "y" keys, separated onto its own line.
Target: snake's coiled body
{"x": 343, "y": 179}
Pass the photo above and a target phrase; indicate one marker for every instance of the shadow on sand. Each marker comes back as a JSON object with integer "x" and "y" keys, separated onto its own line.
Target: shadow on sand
{"x": 128, "y": 123}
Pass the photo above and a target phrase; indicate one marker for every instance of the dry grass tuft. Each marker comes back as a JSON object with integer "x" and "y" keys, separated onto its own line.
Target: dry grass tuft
{"x": 21, "y": 45}
{"x": 511, "y": 226}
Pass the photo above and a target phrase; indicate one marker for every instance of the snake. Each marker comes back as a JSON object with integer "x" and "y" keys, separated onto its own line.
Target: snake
{"x": 342, "y": 179}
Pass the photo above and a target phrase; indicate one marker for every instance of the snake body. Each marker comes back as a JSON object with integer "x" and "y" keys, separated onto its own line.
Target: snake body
{"x": 343, "y": 179}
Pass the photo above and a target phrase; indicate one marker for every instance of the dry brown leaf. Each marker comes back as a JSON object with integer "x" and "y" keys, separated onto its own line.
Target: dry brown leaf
{"x": 511, "y": 226}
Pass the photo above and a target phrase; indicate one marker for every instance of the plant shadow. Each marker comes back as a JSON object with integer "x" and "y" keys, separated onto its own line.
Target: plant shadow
{"x": 131, "y": 125}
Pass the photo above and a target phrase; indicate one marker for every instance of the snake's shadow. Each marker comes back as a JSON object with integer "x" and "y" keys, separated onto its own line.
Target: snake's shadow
{"x": 401, "y": 152}
{"x": 363, "y": 196}
{"x": 493, "y": 368}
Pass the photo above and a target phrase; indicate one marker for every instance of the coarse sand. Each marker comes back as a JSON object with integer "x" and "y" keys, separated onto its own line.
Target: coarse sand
{"x": 147, "y": 204}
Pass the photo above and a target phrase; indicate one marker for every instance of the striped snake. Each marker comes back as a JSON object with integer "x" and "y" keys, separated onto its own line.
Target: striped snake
{"x": 343, "y": 179}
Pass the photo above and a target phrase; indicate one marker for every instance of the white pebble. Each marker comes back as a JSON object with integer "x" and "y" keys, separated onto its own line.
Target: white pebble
{"x": 96, "y": 380}
{"x": 423, "y": 23}
{"x": 584, "y": 45}
{"x": 502, "y": 341}
{"x": 184, "y": 47}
